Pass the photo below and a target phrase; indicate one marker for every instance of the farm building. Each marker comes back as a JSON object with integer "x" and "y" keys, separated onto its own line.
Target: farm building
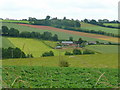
{"x": 58, "y": 47}
{"x": 67, "y": 43}
{"x": 92, "y": 42}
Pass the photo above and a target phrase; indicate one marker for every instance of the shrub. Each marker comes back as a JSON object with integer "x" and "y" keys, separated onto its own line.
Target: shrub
{"x": 88, "y": 52}
{"x": 48, "y": 54}
{"x": 63, "y": 63}
{"x": 68, "y": 53}
{"x": 77, "y": 52}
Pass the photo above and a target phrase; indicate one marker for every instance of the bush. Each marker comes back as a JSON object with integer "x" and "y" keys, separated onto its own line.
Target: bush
{"x": 48, "y": 54}
{"x": 88, "y": 52}
{"x": 68, "y": 53}
{"x": 77, "y": 52}
{"x": 63, "y": 63}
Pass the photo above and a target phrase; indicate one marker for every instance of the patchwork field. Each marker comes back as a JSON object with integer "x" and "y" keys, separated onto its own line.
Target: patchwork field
{"x": 97, "y": 28}
{"x": 112, "y": 39}
{"x": 62, "y": 34}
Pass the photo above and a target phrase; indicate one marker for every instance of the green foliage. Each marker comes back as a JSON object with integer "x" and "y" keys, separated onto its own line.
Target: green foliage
{"x": 63, "y": 63}
{"x": 57, "y": 77}
{"x": 68, "y": 53}
{"x": 12, "y": 53}
{"x": 4, "y": 30}
{"x": 70, "y": 38}
{"x": 77, "y": 52}
{"x": 51, "y": 53}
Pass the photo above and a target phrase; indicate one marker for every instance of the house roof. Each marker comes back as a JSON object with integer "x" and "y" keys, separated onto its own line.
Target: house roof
{"x": 68, "y": 42}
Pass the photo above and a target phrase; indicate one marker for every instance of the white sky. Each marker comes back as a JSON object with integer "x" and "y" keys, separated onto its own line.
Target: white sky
{"x": 76, "y": 9}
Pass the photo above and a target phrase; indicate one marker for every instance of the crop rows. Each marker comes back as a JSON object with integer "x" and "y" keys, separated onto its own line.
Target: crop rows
{"x": 55, "y": 77}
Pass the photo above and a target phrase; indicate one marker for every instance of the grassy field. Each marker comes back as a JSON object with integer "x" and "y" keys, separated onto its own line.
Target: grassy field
{"x": 91, "y": 61}
{"x": 6, "y": 43}
{"x": 54, "y": 77}
{"x": 97, "y": 28}
{"x": 14, "y": 21}
{"x": 112, "y": 24}
{"x": 61, "y": 35}
{"x": 105, "y": 49}
{"x": 34, "y": 46}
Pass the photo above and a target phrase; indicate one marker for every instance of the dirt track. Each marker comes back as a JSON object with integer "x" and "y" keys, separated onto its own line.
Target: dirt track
{"x": 102, "y": 37}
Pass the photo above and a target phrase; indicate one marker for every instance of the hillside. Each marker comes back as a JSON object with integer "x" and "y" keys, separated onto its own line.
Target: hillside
{"x": 97, "y": 28}
{"x": 61, "y": 35}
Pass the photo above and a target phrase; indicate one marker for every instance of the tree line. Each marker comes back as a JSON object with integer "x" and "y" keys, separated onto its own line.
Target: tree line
{"x": 15, "y": 33}
{"x": 55, "y": 22}
{"x": 73, "y": 25}
{"x": 101, "y": 22}
{"x": 12, "y": 53}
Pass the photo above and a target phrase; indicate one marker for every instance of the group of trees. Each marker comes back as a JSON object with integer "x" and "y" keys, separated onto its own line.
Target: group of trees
{"x": 12, "y": 53}
{"x": 50, "y": 53}
{"x": 79, "y": 52}
{"x": 59, "y": 23}
{"x": 15, "y": 33}
{"x": 101, "y": 22}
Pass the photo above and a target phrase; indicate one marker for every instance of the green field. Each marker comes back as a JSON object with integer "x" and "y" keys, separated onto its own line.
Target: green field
{"x": 54, "y": 77}
{"x": 97, "y": 28}
{"x": 61, "y": 35}
{"x": 112, "y": 24}
{"x": 104, "y": 49}
{"x": 92, "y": 61}
{"x": 14, "y": 21}
{"x": 6, "y": 43}
{"x": 31, "y": 46}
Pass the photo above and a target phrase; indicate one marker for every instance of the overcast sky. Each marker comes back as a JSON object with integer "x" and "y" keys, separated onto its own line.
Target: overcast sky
{"x": 76, "y": 9}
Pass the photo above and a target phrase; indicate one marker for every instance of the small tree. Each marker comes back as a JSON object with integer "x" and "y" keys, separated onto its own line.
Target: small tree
{"x": 71, "y": 38}
{"x": 63, "y": 63}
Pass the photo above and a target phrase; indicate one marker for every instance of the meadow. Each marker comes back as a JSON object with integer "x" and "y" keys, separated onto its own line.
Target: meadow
{"x": 6, "y": 43}
{"x": 112, "y": 24}
{"x": 97, "y": 28}
{"x": 14, "y": 21}
{"x": 61, "y": 35}
{"x": 31, "y": 46}
{"x": 55, "y": 77}
{"x": 104, "y": 49}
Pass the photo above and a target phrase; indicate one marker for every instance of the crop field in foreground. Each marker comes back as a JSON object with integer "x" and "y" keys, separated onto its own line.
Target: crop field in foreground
{"x": 104, "y": 49}
{"x": 61, "y": 35}
{"x": 97, "y": 28}
{"x": 56, "y": 77}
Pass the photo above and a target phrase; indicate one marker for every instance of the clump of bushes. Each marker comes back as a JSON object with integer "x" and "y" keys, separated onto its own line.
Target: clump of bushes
{"x": 68, "y": 53}
{"x": 50, "y": 53}
{"x": 79, "y": 52}
{"x": 63, "y": 63}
